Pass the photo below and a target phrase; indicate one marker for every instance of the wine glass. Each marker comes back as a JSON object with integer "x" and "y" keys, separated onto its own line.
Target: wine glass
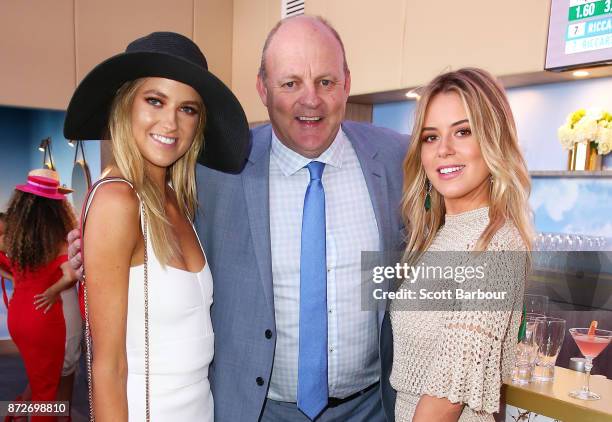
{"x": 548, "y": 242}
{"x": 590, "y": 244}
{"x": 549, "y": 340}
{"x": 526, "y": 351}
{"x": 579, "y": 242}
{"x": 568, "y": 242}
{"x": 536, "y": 304}
{"x": 602, "y": 243}
{"x": 590, "y": 346}
{"x": 557, "y": 243}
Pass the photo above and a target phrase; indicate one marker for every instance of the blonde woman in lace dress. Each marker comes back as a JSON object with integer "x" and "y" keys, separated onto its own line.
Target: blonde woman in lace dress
{"x": 466, "y": 188}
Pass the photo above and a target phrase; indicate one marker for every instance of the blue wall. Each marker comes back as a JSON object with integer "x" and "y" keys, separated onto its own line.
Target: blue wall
{"x": 22, "y": 130}
{"x": 560, "y": 205}
{"x": 397, "y": 116}
{"x": 14, "y": 150}
{"x": 46, "y": 123}
{"x": 538, "y": 110}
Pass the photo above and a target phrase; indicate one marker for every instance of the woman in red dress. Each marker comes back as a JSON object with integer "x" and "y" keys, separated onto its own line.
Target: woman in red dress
{"x": 34, "y": 253}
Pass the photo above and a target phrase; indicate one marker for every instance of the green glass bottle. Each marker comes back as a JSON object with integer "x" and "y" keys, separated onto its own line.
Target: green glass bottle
{"x": 523, "y": 327}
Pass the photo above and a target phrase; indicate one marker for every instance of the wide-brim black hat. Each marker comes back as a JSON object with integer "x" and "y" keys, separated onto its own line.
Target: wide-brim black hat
{"x": 172, "y": 56}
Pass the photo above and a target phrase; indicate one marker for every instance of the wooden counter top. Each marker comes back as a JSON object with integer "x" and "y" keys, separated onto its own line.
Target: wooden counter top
{"x": 551, "y": 399}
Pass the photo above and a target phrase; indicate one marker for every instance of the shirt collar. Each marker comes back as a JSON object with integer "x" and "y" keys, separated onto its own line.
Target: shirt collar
{"x": 290, "y": 162}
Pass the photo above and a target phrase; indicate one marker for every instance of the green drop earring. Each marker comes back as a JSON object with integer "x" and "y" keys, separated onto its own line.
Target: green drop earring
{"x": 428, "y": 196}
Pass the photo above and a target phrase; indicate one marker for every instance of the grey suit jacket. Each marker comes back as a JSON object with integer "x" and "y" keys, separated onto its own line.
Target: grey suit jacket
{"x": 234, "y": 225}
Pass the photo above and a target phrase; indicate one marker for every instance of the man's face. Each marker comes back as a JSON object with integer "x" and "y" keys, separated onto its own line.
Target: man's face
{"x": 306, "y": 88}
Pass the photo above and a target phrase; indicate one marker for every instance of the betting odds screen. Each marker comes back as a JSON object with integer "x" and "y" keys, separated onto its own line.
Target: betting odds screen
{"x": 579, "y": 34}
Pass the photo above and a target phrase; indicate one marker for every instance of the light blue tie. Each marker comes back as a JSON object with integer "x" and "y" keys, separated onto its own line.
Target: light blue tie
{"x": 312, "y": 391}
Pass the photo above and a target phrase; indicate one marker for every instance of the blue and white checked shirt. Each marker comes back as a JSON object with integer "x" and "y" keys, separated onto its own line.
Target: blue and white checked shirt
{"x": 353, "y": 362}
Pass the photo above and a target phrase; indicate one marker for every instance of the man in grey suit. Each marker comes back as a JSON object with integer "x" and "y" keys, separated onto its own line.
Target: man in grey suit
{"x": 283, "y": 239}
{"x": 261, "y": 242}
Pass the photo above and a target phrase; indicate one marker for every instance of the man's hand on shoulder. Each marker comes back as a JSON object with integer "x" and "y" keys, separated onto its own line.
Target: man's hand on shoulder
{"x": 74, "y": 252}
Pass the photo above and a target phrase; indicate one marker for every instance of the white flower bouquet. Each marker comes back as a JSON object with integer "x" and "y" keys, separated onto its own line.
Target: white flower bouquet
{"x": 592, "y": 127}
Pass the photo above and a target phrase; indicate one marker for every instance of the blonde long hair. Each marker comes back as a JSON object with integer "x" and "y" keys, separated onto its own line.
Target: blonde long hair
{"x": 493, "y": 126}
{"x": 131, "y": 164}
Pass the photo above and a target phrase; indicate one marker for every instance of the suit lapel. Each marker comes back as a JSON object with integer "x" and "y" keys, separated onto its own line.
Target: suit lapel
{"x": 256, "y": 183}
{"x": 376, "y": 182}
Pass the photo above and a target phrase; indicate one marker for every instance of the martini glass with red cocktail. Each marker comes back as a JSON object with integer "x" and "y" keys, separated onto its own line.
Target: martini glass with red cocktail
{"x": 591, "y": 342}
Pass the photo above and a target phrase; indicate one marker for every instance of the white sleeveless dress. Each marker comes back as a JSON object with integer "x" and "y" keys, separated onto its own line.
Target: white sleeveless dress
{"x": 181, "y": 342}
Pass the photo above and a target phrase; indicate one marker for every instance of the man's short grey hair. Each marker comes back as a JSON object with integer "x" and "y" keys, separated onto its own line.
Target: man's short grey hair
{"x": 273, "y": 31}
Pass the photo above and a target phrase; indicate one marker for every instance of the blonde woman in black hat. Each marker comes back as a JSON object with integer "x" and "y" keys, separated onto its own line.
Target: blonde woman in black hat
{"x": 148, "y": 287}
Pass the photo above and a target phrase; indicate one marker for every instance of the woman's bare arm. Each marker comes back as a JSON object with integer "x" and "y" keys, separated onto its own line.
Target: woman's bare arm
{"x": 111, "y": 235}
{"x": 438, "y": 409}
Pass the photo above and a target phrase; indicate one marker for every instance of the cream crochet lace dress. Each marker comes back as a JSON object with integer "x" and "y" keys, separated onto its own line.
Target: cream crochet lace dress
{"x": 461, "y": 355}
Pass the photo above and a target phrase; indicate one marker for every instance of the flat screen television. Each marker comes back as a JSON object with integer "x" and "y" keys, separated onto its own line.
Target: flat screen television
{"x": 579, "y": 34}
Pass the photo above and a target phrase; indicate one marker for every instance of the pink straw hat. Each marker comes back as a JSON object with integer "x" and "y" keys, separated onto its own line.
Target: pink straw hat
{"x": 51, "y": 174}
{"x": 47, "y": 187}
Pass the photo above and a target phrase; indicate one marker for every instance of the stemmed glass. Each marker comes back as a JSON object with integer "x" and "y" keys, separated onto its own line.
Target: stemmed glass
{"x": 568, "y": 242}
{"x": 536, "y": 304}
{"x": 579, "y": 242}
{"x": 548, "y": 243}
{"x": 590, "y": 346}
{"x": 557, "y": 243}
